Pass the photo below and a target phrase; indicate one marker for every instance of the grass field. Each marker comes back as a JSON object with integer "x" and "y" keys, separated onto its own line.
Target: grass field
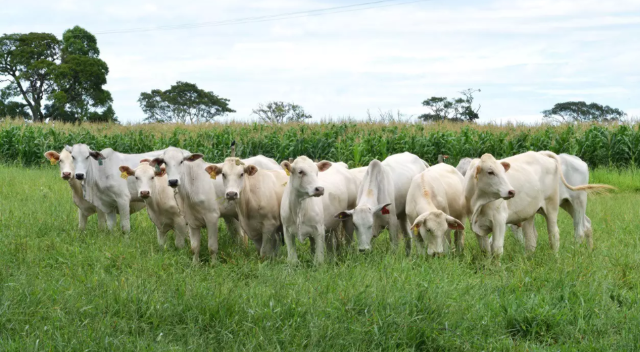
{"x": 61, "y": 289}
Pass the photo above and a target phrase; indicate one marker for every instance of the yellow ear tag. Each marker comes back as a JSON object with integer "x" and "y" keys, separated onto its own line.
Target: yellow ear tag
{"x": 213, "y": 175}
{"x": 124, "y": 175}
{"x": 53, "y": 161}
{"x": 415, "y": 231}
{"x": 286, "y": 171}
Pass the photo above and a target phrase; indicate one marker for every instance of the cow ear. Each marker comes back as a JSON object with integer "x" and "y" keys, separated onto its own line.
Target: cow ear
{"x": 382, "y": 208}
{"x": 52, "y": 156}
{"x": 478, "y": 169}
{"x": 145, "y": 161}
{"x": 156, "y": 161}
{"x": 68, "y": 148}
{"x": 193, "y": 157}
{"x": 96, "y": 155}
{"x": 162, "y": 172}
{"x": 127, "y": 170}
{"x": 323, "y": 165}
{"x": 344, "y": 215}
{"x": 454, "y": 223}
{"x": 213, "y": 170}
{"x": 416, "y": 226}
{"x": 250, "y": 170}
{"x": 506, "y": 166}
{"x": 286, "y": 166}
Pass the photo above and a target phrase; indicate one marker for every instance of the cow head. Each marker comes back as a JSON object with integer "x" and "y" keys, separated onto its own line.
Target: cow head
{"x": 174, "y": 159}
{"x": 490, "y": 178}
{"x": 81, "y": 155}
{"x": 234, "y": 172}
{"x": 363, "y": 221}
{"x": 432, "y": 227}
{"x": 64, "y": 161}
{"x": 303, "y": 176}
{"x": 145, "y": 177}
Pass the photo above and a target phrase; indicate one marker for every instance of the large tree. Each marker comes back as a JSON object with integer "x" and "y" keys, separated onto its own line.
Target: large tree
{"x": 459, "y": 109}
{"x": 68, "y": 74}
{"x": 184, "y": 102}
{"x": 281, "y": 112}
{"x": 579, "y": 111}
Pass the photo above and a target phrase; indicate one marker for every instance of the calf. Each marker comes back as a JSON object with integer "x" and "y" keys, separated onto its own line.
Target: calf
{"x": 257, "y": 195}
{"x": 314, "y": 193}
{"x": 162, "y": 204}
{"x": 435, "y": 207}
{"x": 382, "y": 197}
{"x": 103, "y": 187}
{"x": 67, "y": 173}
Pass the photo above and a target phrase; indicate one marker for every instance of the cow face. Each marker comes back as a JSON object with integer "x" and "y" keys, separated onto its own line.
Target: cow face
{"x": 65, "y": 162}
{"x": 491, "y": 180}
{"x": 174, "y": 159}
{"x": 234, "y": 173}
{"x": 80, "y": 155}
{"x": 432, "y": 227}
{"x": 145, "y": 178}
{"x": 304, "y": 176}
{"x": 363, "y": 221}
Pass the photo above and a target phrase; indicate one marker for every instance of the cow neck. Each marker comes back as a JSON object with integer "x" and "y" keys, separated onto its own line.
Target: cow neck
{"x": 76, "y": 190}
{"x": 426, "y": 195}
{"x": 246, "y": 198}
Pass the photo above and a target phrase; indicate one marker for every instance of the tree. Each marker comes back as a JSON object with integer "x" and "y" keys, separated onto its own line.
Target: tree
{"x": 68, "y": 73}
{"x": 28, "y": 60}
{"x": 184, "y": 102}
{"x": 579, "y": 111}
{"x": 281, "y": 112}
{"x": 460, "y": 109}
{"x": 10, "y": 108}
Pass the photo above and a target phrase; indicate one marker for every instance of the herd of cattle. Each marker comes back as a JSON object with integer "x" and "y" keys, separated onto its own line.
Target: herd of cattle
{"x": 263, "y": 200}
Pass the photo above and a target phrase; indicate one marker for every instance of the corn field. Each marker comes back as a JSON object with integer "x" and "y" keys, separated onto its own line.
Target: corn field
{"x": 616, "y": 145}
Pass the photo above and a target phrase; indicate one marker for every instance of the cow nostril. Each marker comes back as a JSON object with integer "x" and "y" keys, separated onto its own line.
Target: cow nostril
{"x": 319, "y": 189}
{"x": 232, "y": 195}
{"x": 512, "y": 193}
{"x": 80, "y": 176}
{"x": 173, "y": 183}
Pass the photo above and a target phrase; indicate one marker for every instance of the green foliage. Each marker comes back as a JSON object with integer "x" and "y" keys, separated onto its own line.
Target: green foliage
{"x": 280, "y": 112}
{"x": 355, "y": 144}
{"x": 66, "y": 290}
{"x": 459, "y": 109}
{"x": 184, "y": 102}
{"x": 579, "y": 111}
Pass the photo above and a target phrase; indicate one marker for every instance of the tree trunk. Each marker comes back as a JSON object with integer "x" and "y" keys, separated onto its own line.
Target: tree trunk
{"x": 35, "y": 111}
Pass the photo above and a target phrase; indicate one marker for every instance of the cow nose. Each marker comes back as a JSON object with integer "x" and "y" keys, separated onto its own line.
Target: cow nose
{"x": 319, "y": 190}
{"x": 512, "y": 193}
{"x": 79, "y": 176}
{"x": 232, "y": 195}
{"x": 144, "y": 194}
{"x": 66, "y": 175}
{"x": 173, "y": 183}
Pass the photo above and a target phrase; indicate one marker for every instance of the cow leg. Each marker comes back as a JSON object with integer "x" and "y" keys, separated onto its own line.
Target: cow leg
{"x": 517, "y": 233}
{"x": 234, "y": 230}
{"x": 484, "y": 243}
{"x": 551, "y": 214}
{"x": 588, "y": 231}
{"x": 194, "y": 238}
{"x": 111, "y": 220}
{"x": 123, "y": 209}
{"x": 405, "y": 227}
{"x": 180, "y": 230}
{"x": 459, "y": 238}
{"x": 82, "y": 219}
{"x": 349, "y": 228}
{"x": 102, "y": 220}
{"x": 162, "y": 236}
{"x": 393, "y": 230}
{"x": 319, "y": 250}
{"x": 289, "y": 240}
{"x": 530, "y": 234}
{"x": 577, "y": 212}
{"x": 212, "y": 231}
{"x": 497, "y": 240}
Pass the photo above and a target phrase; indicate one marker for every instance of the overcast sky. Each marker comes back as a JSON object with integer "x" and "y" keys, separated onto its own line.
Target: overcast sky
{"x": 525, "y": 56}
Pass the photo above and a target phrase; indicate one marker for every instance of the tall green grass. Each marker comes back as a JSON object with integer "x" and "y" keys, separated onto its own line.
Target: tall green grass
{"x": 65, "y": 290}
{"x": 357, "y": 144}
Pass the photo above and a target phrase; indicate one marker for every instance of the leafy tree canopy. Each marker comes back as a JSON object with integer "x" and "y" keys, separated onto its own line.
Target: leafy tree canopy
{"x": 459, "y": 109}
{"x": 280, "y": 112}
{"x": 579, "y": 111}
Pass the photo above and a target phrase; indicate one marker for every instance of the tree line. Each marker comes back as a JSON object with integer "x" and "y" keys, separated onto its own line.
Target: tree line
{"x": 63, "y": 79}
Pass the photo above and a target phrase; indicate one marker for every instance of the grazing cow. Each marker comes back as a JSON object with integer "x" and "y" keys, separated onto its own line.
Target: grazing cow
{"x": 257, "y": 195}
{"x": 576, "y": 172}
{"x": 512, "y": 191}
{"x": 382, "y": 197}
{"x": 463, "y": 166}
{"x": 435, "y": 207}
{"x": 314, "y": 193}
{"x": 85, "y": 209}
{"x": 102, "y": 184}
{"x": 162, "y": 204}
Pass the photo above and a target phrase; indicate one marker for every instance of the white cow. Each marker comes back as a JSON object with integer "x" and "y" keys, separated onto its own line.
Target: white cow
{"x": 435, "y": 207}
{"x": 162, "y": 204}
{"x": 85, "y": 209}
{"x": 102, "y": 184}
{"x": 512, "y": 191}
{"x": 576, "y": 172}
{"x": 314, "y": 193}
{"x": 257, "y": 195}
{"x": 359, "y": 173}
{"x": 463, "y": 165}
{"x": 382, "y": 197}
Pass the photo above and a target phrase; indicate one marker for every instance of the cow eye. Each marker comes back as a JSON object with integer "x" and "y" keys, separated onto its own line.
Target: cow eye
{"x": 153, "y": 177}
{"x": 491, "y": 173}
{"x": 242, "y": 174}
{"x": 301, "y": 173}
{"x": 224, "y": 176}
{"x": 137, "y": 178}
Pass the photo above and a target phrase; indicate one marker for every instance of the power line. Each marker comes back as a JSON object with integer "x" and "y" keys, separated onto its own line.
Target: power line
{"x": 284, "y": 16}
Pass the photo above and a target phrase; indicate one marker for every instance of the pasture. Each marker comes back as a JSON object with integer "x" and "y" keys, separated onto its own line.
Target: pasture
{"x": 61, "y": 289}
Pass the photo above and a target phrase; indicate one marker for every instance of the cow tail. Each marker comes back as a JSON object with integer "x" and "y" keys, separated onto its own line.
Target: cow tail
{"x": 589, "y": 188}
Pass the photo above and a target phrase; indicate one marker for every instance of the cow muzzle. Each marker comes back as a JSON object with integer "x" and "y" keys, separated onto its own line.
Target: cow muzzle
{"x": 145, "y": 194}
{"x": 510, "y": 194}
{"x": 231, "y": 195}
{"x": 66, "y": 176}
{"x": 80, "y": 177}
{"x": 318, "y": 191}
{"x": 173, "y": 183}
